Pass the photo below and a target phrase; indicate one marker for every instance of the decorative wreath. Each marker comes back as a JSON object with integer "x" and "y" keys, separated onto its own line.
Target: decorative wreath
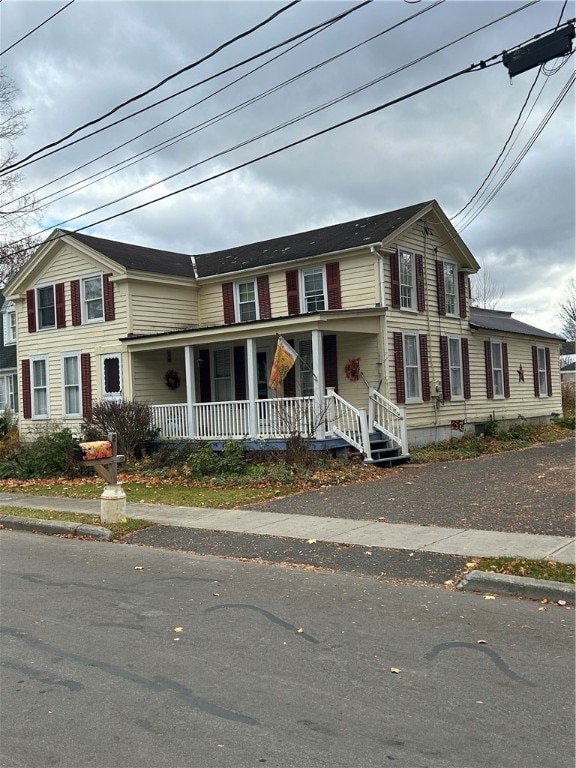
{"x": 172, "y": 379}
{"x": 352, "y": 369}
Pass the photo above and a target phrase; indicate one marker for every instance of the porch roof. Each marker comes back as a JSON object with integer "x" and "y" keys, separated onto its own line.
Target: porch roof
{"x": 328, "y": 320}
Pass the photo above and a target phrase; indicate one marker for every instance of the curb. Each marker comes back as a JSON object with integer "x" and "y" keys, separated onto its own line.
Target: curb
{"x": 53, "y": 527}
{"x": 518, "y": 586}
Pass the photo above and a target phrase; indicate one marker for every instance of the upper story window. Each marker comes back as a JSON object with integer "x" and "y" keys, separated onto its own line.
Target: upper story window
{"x": 46, "y": 307}
{"x": 451, "y": 287}
{"x": 407, "y": 280}
{"x": 313, "y": 289}
{"x": 9, "y": 324}
{"x": 92, "y": 299}
{"x": 246, "y": 301}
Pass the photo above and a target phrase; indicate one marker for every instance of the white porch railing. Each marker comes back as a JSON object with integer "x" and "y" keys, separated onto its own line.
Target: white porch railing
{"x": 278, "y": 418}
{"x": 388, "y": 418}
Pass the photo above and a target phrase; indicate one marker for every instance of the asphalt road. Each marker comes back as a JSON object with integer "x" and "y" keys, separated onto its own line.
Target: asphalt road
{"x": 524, "y": 491}
{"x": 117, "y": 656}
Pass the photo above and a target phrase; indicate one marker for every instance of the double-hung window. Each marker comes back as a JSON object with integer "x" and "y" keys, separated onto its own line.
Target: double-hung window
{"x": 497, "y": 368}
{"x": 542, "y": 372}
{"x": 407, "y": 274}
{"x": 92, "y": 299}
{"x": 46, "y": 307}
{"x": 455, "y": 364}
{"x": 39, "y": 385}
{"x": 451, "y": 287}
{"x": 9, "y": 323}
{"x": 222, "y": 375}
{"x": 9, "y": 392}
{"x": 314, "y": 289}
{"x": 246, "y": 301}
{"x": 71, "y": 384}
{"x": 411, "y": 367}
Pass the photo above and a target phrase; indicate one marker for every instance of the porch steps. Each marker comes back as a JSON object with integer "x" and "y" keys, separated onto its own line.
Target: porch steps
{"x": 384, "y": 453}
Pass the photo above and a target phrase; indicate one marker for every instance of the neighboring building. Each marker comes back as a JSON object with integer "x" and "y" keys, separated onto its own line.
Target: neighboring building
{"x": 378, "y": 310}
{"x": 8, "y": 372}
{"x": 568, "y": 372}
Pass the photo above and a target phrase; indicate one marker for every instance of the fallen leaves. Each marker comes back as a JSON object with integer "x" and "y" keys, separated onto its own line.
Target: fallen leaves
{"x": 395, "y": 670}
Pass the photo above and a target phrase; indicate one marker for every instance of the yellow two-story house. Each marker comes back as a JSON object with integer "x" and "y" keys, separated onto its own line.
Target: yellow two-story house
{"x": 389, "y": 351}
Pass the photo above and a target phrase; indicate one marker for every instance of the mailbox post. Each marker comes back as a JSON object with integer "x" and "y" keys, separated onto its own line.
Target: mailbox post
{"x": 103, "y": 457}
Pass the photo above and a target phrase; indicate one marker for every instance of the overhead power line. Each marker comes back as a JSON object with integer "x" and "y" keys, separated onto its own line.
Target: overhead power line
{"x": 18, "y": 165}
{"x": 36, "y": 28}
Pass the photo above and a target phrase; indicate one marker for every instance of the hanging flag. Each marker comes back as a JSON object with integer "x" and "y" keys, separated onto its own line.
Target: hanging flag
{"x": 284, "y": 359}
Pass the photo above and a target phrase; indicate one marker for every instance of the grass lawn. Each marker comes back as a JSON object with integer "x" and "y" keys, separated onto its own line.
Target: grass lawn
{"x": 118, "y": 529}
{"x": 535, "y": 569}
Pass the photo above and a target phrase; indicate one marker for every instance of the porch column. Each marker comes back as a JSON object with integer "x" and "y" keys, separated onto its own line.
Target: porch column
{"x": 190, "y": 389}
{"x": 252, "y": 376}
{"x": 319, "y": 389}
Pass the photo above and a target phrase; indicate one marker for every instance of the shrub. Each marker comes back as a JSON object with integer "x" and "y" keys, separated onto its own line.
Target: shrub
{"x": 48, "y": 456}
{"x": 7, "y": 423}
{"x": 131, "y": 420}
{"x": 204, "y": 461}
{"x": 568, "y": 398}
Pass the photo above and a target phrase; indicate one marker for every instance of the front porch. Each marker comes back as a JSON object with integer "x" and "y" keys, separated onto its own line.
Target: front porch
{"x": 378, "y": 432}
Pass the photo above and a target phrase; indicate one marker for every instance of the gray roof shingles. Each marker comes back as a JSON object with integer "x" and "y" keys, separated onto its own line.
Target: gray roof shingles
{"x": 495, "y": 320}
{"x": 279, "y": 250}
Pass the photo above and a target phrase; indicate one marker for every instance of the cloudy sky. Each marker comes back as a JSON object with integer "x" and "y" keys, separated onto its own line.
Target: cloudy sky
{"x": 441, "y": 143}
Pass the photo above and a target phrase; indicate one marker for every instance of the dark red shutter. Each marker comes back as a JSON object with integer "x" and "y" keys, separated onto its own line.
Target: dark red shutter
{"x": 548, "y": 371}
{"x": 108, "y": 288}
{"x": 420, "y": 287}
{"x": 75, "y": 301}
{"x": 228, "y": 303}
{"x": 333, "y": 285}
{"x": 31, "y": 309}
{"x": 395, "y": 280}
{"x": 535, "y": 371}
{"x": 263, "y": 287}
{"x": 445, "y": 368}
{"x": 290, "y": 379}
{"x": 399, "y": 367}
{"x": 26, "y": 390}
{"x": 505, "y": 371}
{"x": 440, "y": 288}
{"x": 60, "y": 306}
{"x": 488, "y": 370}
{"x": 466, "y": 369}
{"x": 239, "y": 373}
{"x": 424, "y": 367}
{"x": 86, "y": 378}
{"x": 462, "y": 293}
{"x": 292, "y": 292}
{"x": 330, "y": 357}
{"x": 204, "y": 375}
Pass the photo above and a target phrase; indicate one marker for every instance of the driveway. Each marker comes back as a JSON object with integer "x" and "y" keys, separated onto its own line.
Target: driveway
{"x": 525, "y": 491}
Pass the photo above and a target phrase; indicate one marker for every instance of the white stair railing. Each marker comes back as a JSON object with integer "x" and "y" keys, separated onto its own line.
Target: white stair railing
{"x": 388, "y": 418}
{"x": 348, "y": 422}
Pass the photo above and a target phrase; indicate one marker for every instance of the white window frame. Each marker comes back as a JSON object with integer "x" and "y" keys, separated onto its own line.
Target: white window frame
{"x": 78, "y": 386}
{"x": 497, "y": 386}
{"x": 9, "y": 324}
{"x": 12, "y": 391}
{"x": 34, "y": 387}
{"x": 418, "y": 397}
{"x": 84, "y": 301}
{"x": 407, "y": 303}
{"x": 227, "y": 380}
{"x": 39, "y": 288}
{"x": 114, "y": 396}
{"x": 542, "y": 372}
{"x": 454, "y": 369}
{"x": 239, "y": 303}
{"x": 304, "y": 298}
{"x": 451, "y": 299}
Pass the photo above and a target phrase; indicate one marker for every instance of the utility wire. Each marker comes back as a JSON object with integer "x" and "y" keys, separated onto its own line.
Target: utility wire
{"x": 20, "y": 164}
{"x": 36, "y": 28}
{"x": 144, "y": 154}
{"x": 169, "y": 142}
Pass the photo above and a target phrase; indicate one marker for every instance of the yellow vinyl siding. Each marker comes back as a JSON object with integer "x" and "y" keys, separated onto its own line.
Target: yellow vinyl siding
{"x": 148, "y": 372}
{"x": 162, "y": 307}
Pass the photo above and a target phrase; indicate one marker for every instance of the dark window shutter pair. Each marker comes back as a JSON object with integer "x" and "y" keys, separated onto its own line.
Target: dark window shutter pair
{"x": 420, "y": 285}
{"x": 488, "y": 369}
{"x": 535, "y": 371}
{"x": 505, "y": 370}
{"x": 60, "y": 302}
{"x": 263, "y": 288}
{"x": 239, "y": 373}
{"x": 424, "y": 367}
{"x": 292, "y": 292}
{"x": 108, "y": 291}
{"x": 466, "y": 369}
{"x": 26, "y": 390}
{"x": 228, "y": 303}
{"x": 395, "y": 281}
{"x": 399, "y": 367}
{"x": 333, "y": 285}
{"x": 441, "y": 291}
{"x": 86, "y": 378}
{"x": 445, "y": 368}
{"x": 75, "y": 300}
{"x": 462, "y": 293}
{"x": 204, "y": 375}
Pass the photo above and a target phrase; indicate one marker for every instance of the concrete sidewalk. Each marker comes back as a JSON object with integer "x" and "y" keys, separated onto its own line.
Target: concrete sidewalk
{"x": 465, "y": 542}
